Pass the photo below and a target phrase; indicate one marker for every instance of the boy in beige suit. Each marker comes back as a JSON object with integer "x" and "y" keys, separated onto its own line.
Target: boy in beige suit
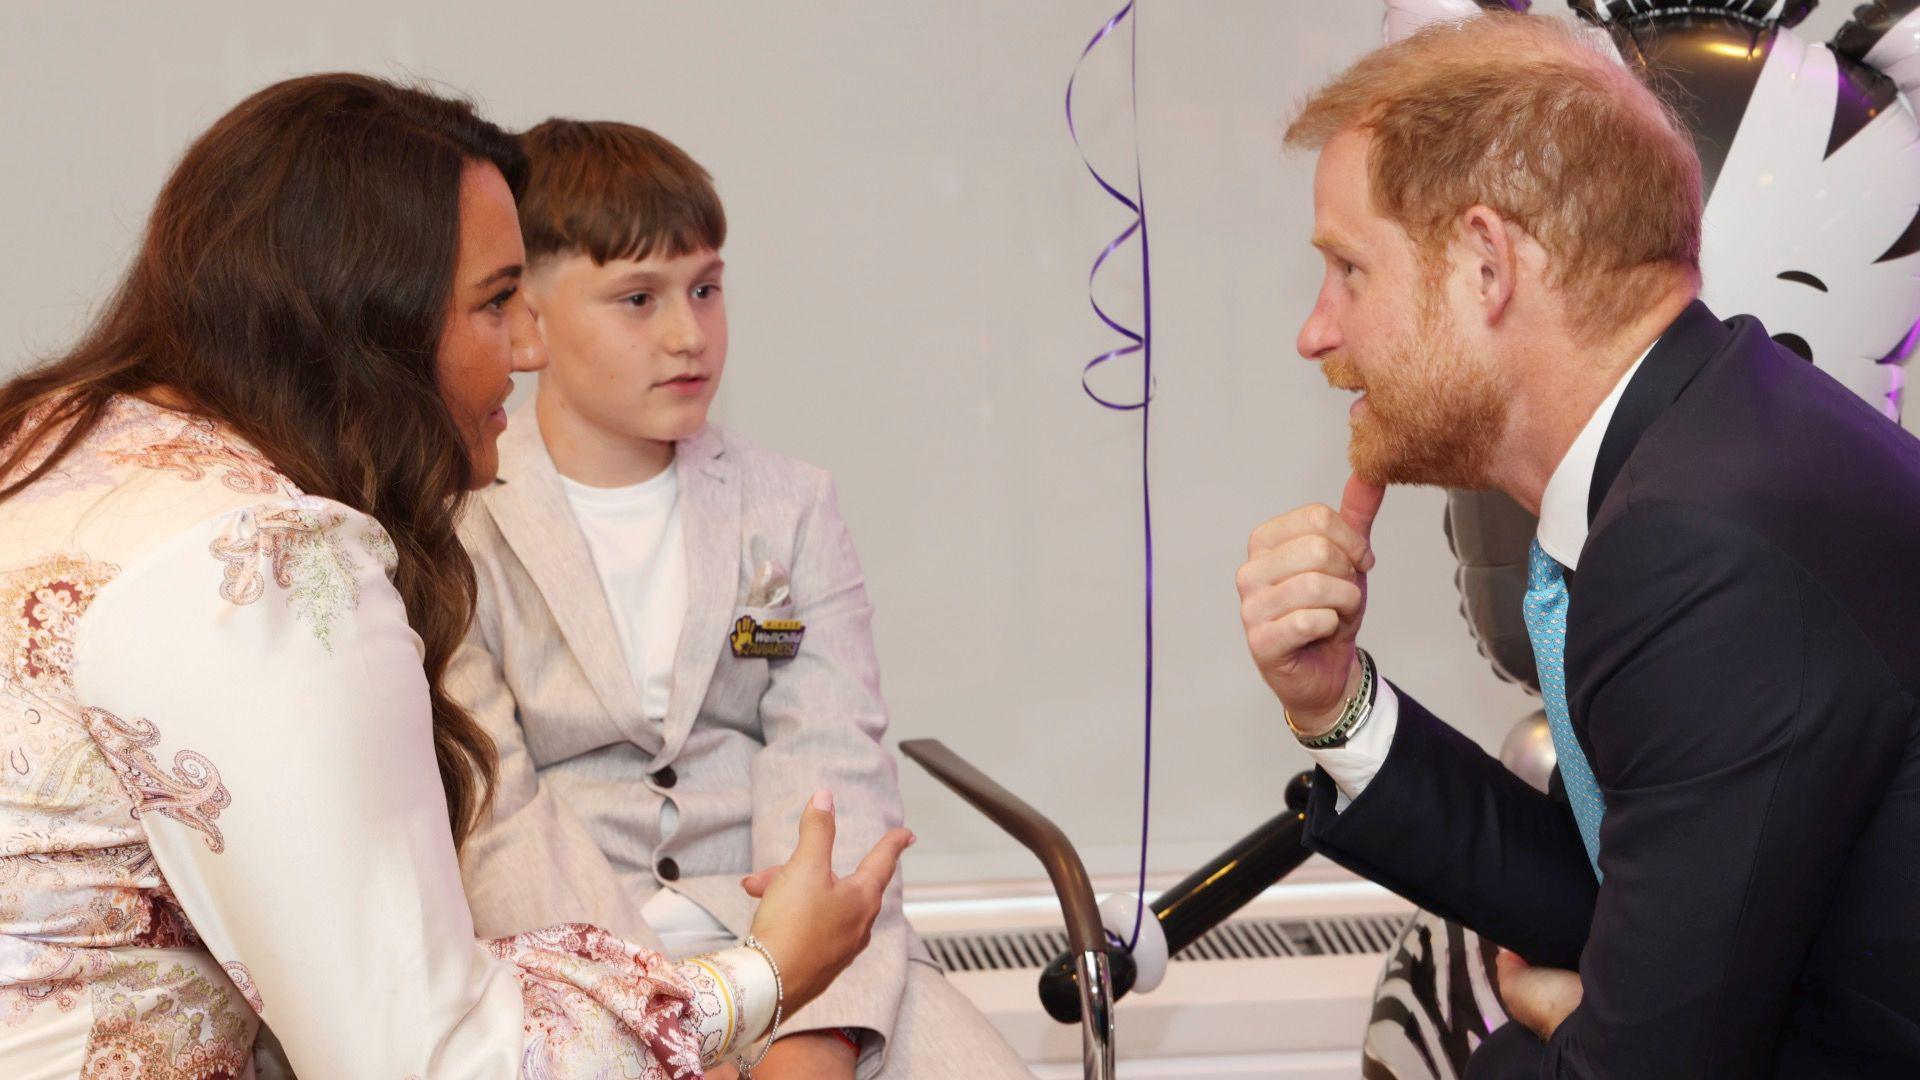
{"x": 672, "y": 644}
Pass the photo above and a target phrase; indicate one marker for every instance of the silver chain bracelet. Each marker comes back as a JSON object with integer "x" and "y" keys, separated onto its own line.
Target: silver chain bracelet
{"x": 779, "y": 1008}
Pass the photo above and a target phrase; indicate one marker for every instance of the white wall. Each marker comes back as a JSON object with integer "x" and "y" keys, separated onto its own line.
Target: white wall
{"x": 911, "y": 232}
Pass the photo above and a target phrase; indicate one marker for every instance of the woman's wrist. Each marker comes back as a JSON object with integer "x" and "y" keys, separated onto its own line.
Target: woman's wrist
{"x": 736, "y": 999}
{"x": 779, "y": 1002}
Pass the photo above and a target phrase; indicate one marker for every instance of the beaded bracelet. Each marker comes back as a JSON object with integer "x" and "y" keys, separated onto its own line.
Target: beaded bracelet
{"x": 1356, "y": 710}
{"x": 779, "y": 1008}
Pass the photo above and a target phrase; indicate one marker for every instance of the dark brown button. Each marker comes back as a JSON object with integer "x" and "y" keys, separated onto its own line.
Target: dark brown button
{"x": 668, "y": 870}
{"x": 665, "y": 777}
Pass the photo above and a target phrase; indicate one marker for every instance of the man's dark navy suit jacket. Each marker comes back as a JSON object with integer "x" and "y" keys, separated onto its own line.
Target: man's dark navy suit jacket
{"x": 1743, "y": 666}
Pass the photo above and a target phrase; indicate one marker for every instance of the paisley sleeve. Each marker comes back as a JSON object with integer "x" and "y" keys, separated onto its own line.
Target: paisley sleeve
{"x": 255, "y": 684}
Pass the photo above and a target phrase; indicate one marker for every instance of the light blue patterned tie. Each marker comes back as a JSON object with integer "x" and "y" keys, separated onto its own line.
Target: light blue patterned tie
{"x": 1545, "y": 607}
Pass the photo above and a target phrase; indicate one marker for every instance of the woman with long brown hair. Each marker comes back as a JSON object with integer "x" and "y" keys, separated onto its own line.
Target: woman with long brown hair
{"x": 231, "y": 785}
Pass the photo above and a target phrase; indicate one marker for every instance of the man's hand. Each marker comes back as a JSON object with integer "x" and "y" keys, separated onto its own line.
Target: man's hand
{"x": 808, "y": 1055}
{"x": 1303, "y": 592}
{"x": 1539, "y": 998}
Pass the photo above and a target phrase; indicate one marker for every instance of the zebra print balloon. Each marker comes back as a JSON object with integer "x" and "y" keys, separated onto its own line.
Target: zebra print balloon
{"x": 1435, "y": 1002}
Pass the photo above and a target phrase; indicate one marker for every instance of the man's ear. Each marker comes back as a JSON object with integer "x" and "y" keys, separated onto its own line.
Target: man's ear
{"x": 1487, "y": 247}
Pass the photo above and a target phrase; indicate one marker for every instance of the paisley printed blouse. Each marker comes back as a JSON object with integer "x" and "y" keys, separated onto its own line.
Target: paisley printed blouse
{"x": 219, "y": 805}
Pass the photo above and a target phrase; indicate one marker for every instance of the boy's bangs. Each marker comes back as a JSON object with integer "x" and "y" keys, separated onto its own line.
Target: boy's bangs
{"x": 642, "y": 228}
{"x": 615, "y": 191}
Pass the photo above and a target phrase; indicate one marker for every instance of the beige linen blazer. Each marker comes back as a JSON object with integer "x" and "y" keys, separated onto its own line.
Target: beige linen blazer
{"x": 575, "y": 833}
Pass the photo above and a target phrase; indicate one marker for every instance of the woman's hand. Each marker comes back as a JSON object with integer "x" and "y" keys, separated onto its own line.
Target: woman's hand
{"x": 812, "y": 922}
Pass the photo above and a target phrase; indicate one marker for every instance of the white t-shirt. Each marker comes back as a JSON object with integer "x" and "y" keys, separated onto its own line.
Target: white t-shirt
{"x": 640, "y": 552}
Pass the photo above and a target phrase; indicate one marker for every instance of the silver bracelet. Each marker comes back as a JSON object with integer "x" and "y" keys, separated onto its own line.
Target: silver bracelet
{"x": 779, "y": 1008}
{"x": 1352, "y": 715}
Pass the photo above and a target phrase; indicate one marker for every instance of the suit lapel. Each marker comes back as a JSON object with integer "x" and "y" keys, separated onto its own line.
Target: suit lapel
{"x": 710, "y": 488}
{"x": 530, "y": 507}
{"x": 1676, "y": 358}
{"x": 1670, "y": 367}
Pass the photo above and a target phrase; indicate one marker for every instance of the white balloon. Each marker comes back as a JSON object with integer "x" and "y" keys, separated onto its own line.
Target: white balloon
{"x": 1782, "y": 205}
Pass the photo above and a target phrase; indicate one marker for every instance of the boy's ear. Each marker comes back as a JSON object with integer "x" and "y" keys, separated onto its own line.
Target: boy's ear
{"x": 530, "y": 291}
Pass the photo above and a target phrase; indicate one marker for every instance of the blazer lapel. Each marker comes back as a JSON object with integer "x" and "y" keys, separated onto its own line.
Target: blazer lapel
{"x": 1676, "y": 358}
{"x": 711, "y": 493}
{"x": 530, "y": 506}
{"x": 1670, "y": 367}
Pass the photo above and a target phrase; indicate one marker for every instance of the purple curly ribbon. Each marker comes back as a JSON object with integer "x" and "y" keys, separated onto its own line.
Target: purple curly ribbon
{"x": 1141, "y": 342}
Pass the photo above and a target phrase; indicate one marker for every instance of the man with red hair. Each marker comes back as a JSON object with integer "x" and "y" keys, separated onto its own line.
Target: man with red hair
{"x": 1723, "y": 882}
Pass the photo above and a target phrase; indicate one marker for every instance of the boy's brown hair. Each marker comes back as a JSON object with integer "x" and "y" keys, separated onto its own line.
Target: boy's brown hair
{"x": 614, "y": 191}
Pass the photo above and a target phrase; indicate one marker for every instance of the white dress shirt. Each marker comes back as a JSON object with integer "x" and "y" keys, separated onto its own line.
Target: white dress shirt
{"x": 1562, "y": 533}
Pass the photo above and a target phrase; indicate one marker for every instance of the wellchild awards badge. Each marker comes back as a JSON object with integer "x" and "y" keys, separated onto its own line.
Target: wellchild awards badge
{"x": 775, "y": 639}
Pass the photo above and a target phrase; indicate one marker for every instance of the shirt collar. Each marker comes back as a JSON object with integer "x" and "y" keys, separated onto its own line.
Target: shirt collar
{"x": 1563, "y": 505}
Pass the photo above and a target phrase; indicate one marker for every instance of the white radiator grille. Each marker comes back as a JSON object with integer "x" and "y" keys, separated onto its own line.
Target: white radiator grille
{"x": 1236, "y": 939}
